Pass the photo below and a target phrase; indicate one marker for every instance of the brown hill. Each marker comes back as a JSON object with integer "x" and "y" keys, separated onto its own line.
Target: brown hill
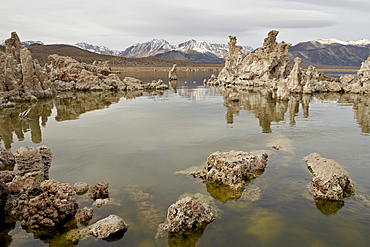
{"x": 41, "y": 53}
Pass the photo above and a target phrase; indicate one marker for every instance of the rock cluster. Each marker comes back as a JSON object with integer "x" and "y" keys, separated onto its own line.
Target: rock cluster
{"x": 330, "y": 181}
{"x": 232, "y": 168}
{"x": 33, "y": 168}
{"x": 269, "y": 67}
{"x": 46, "y": 207}
{"x": 22, "y": 78}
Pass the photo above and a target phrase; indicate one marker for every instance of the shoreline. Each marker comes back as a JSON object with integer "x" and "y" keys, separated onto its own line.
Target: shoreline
{"x": 166, "y": 69}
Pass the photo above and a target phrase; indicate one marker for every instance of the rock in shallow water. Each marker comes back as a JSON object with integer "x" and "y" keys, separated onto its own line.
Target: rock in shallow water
{"x": 330, "y": 180}
{"x": 80, "y": 187}
{"x": 232, "y": 168}
{"x": 99, "y": 190}
{"x": 106, "y": 227}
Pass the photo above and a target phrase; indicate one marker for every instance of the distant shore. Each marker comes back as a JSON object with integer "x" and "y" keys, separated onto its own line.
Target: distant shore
{"x": 213, "y": 67}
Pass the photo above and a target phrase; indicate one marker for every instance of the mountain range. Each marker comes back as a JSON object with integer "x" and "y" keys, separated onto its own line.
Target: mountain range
{"x": 194, "y": 51}
{"x": 319, "y": 53}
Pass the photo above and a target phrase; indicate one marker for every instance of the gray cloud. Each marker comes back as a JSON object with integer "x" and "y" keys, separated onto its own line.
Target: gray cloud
{"x": 118, "y": 24}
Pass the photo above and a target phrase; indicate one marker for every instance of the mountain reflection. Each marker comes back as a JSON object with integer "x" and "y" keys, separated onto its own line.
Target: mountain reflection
{"x": 29, "y": 117}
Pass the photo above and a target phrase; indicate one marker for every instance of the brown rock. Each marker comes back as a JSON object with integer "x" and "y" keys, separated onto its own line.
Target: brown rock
{"x": 55, "y": 204}
{"x": 99, "y": 190}
{"x": 330, "y": 181}
{"x": 108, "y": 226}
{"x": 232, "y": 168}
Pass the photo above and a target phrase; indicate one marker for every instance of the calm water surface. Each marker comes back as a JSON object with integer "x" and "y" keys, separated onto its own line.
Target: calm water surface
{"x": 138, "y": 142}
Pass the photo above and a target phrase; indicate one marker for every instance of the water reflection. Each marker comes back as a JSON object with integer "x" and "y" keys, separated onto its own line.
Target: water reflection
{"x": 29, "y": 117}
{"x": 267, "y": 109}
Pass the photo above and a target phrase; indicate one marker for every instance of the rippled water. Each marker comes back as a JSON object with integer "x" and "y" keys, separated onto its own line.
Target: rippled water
{"x": 138, "y": 142}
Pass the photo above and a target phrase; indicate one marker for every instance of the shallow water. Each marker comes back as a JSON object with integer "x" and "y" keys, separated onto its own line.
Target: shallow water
{"x": 139, "y": 141}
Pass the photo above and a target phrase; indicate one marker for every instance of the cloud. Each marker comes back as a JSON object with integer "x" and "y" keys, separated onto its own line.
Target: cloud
{"x": 120, "y": 23}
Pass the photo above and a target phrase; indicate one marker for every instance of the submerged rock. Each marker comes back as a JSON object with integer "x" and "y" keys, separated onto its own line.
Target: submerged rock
{"x": 330, "y": 181}
{"x": 108, "y": 226}
{"x": 81, "y": 187}
{"x": 147, "y": 214}
{"x": 84, "y": 215}
{"x": 232, "y": 168}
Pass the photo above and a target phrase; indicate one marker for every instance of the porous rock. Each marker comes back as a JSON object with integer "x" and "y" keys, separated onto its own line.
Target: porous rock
{"x": 232, "y": 168}
{"x": 6, "y": 159}
{"x": 330, "y": 180}
{"x": 31, "y": 159}
{"x": 55, "y": 204}
{"x": 22, "y": 78}
{"x": 262, "y": 68}
{"x": 3, "y": 194}
{"x": 6, "y": 176}
{"x": 270, "y": 67}
{"x": 21, "y": 189}
{"x": 99, "y": 190}
{"x": 106, "y": 227}
{"x": 186, "y": 214}
{"x": 84, "y": 214}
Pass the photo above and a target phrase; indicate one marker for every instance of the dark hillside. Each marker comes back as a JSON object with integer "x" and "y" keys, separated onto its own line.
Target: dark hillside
{"x": 41, "y": 53}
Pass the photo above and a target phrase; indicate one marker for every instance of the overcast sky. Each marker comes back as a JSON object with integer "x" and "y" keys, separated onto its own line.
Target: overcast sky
{"x": 118, "y": 24}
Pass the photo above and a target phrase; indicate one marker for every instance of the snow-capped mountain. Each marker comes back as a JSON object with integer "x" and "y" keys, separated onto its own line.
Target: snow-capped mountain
{"x": 147, "y": 49}
{"x": 220, "y": 50}
{"x": 191, "y": 50}
{"x": 331, "y": 52}
{"x": 25, "y": 43}
{"x": 361, "y": 42}
{"x": 97, "y": 49}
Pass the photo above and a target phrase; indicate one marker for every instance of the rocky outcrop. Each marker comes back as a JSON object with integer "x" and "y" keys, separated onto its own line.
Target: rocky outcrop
{"x": 55, "y": 204}
{"x": 265, "y": 67}
{"x": 232, "y": 168}
{"x": 108, "y": 226}
{"x": 269, "y": 67}
{"x": 21, "y": 77}
{"x": 330, "y": 181}
{"x": 99, "y": 190}
{"x": 359, "y": 83}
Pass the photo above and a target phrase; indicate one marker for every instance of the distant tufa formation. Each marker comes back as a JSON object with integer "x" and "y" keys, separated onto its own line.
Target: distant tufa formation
{"x": 269, "y": 67}
{"x": 22, "y": 78}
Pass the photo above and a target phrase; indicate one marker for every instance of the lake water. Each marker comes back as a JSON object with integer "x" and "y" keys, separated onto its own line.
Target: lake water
{"x": 138, "y": 143}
